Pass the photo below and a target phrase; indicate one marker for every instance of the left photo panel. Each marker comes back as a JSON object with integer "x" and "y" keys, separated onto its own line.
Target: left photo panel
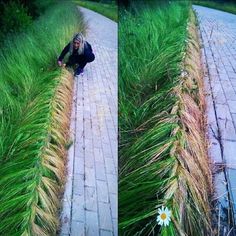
{"x": 58, "y": 109}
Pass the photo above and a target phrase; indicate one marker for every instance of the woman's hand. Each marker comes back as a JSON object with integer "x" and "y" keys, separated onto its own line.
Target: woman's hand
{"x": 59, "y": 63}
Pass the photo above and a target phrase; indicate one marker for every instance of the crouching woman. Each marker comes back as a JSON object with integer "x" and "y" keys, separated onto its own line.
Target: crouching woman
{"x": 80, "y": 53}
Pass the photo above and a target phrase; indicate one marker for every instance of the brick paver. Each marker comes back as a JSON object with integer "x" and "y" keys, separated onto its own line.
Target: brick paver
{"x": 218, "y": 32}
{"x": 90, "y": 199}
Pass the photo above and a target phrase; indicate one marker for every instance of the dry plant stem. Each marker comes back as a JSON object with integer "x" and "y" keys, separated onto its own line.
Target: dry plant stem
{"x": 54, "y": 157}
{"x": 193, "y": 166}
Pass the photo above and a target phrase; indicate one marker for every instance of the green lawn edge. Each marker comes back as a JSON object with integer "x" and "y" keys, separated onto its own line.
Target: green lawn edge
{"x": 108, "y": 10}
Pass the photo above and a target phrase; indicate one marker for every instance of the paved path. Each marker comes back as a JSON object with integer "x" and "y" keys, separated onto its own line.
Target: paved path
{"x": 218, "y": 31}
{"x": 90, "y": 199}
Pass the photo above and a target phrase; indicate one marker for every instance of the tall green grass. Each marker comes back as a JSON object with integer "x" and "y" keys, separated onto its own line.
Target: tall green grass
{"x": 29, "y": 175}
{"x": 151, "y": 48}
{"x": 108, "y": 10}
{"x": 223, "y": 6}
{"x": 155, "y": 160}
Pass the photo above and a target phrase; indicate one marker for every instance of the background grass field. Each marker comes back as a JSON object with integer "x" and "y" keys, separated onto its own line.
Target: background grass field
{"x": 109, "y": 10}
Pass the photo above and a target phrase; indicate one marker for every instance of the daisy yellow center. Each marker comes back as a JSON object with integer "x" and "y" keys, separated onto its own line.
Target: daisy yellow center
{"x": 163, "y": 216}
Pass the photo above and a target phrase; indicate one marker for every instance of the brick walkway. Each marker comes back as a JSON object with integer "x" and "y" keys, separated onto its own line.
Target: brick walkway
{"x": 90, "y": 199}
{"x": 218, "y": 31}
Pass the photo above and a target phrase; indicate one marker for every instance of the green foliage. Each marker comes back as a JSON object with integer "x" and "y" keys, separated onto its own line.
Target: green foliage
{"x": 14, "y": 18}
{"x": 107, "y": 9}
{"x": 151, "y": 46}
{"x": 153, "y": 42}
{"x": 17, "y": 15}
{"x": 41, "y": 6}
{"x": 27, "y": 83}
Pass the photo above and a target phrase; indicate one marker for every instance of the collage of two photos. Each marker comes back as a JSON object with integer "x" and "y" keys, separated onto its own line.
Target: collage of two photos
{"x": 118, "y": 118}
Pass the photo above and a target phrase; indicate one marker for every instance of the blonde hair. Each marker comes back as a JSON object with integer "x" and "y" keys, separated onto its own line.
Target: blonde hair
{"x": 78, "y": 37}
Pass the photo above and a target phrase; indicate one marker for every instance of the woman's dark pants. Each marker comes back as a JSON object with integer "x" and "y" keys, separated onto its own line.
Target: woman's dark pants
{"x": 81, "y": 60}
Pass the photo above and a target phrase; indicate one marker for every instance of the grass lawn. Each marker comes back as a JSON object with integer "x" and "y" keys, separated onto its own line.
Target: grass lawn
{"x": 156, "y": 151}
{"x": 228, "y": 7}
{"x": 108, "y": 10}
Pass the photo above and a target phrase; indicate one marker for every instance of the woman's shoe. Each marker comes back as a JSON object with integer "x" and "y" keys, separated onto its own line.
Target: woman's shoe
{"x": 79, "y": 71}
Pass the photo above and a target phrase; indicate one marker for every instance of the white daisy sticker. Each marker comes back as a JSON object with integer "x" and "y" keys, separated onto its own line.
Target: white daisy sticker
{"x": 164, "y": 216}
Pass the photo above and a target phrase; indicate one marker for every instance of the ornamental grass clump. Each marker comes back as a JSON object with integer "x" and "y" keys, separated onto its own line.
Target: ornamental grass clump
{"x": 162, "y": 151}
{"x": 35, "y": 111}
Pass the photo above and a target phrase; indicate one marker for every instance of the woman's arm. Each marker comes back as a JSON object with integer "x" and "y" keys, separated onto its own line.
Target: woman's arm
{"x": 63, "y": 53}
{"x": 88, "y": 48}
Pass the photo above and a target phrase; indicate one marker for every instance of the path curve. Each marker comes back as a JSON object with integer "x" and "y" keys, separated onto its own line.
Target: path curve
{"x": 90, "y": 198}
{"x": 218, "y": 32}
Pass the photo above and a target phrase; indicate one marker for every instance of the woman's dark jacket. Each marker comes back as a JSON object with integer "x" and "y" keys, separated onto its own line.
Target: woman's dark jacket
{"x": 74, "y": 57}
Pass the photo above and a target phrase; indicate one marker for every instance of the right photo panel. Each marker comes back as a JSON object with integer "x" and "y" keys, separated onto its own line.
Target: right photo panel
{"x": 177, "y": 118}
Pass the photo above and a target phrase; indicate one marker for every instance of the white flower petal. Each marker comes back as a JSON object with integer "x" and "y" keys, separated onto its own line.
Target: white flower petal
{"x": 159, "y": 211}
{"x": 160, "y": 222}
{"x": 166, "y": 222}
